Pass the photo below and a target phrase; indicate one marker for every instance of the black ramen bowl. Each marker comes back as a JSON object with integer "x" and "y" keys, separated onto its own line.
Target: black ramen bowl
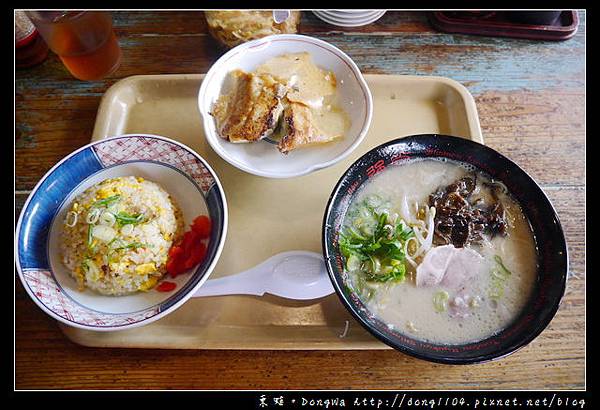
{"x": 550, "y": 241}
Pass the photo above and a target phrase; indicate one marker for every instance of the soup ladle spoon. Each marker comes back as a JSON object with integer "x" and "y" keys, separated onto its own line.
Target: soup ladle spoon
{"x": 299, "y": 275}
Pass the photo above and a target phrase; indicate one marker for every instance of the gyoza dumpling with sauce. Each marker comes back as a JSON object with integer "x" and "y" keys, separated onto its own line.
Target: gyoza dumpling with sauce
{"x": 287, "y": 98}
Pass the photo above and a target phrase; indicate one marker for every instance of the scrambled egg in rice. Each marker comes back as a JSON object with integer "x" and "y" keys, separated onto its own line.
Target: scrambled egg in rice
{"x": 117, "y": 235}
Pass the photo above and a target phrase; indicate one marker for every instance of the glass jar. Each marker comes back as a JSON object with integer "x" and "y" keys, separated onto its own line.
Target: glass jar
{"x": 30, "y": 48}
{"x": 234, "y": 27}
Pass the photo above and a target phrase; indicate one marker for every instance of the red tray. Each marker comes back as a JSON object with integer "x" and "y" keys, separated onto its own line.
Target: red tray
{"x": 497, "y": 24}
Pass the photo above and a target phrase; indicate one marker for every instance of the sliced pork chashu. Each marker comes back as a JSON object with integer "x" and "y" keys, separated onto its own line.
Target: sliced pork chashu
{"x": 251, "y": 110}
{"x": 303, "y": 127}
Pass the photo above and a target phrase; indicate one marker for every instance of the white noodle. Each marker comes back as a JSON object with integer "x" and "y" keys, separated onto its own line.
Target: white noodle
{"x": 418, "y": 235}
{"x": 405, "y": 212}
{"x": 426, "y": 245}
{"x": 410, "y": 260}
{"x": 421, "y": 224}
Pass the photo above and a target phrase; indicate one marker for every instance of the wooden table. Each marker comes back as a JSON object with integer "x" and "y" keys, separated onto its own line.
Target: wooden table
{"x": 530, "y": 96}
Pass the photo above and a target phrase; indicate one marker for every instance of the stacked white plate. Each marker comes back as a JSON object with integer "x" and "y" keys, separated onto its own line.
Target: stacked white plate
{"x": 349, "y": 18}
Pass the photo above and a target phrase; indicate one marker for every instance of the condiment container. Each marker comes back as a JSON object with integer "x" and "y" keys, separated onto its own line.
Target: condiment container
{"x": 30, "y": 48}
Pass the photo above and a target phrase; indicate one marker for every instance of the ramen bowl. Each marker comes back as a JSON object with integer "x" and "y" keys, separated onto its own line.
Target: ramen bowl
{"x": 549, "y": 277}
{"x": 262, "y": 157}
{"x": 181, "y": 172}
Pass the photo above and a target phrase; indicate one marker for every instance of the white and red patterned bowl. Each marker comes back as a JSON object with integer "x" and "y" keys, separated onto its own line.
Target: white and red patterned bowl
{"x": 178, "y": 169}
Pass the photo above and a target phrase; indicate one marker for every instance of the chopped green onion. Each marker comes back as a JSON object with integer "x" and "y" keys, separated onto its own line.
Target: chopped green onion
{"x": 499, "y": 276}
{"x": 498, "y": 260}
{"x": 386, "y": 273}
{"x": 497, "y": 291}
{"x": 375, "y": 265}
{"x": 439, "y": 301}
{"x": 353, "y": 263}
{"x": 133, "y": 245}
{"x": 404, "y": 232}
{"x": 114, "y": 241}
{"x": 91, "y": 270}
{"x": 106, "y": 201}
{"x": 89, "y": 237}
{"x": 395, "y": 262}
{"x": 355, "y": 235}
{"x": 362, "y": 288}
{"x": 92, "y": 216}
{"x": 123, "y": 218}
{"x": 375, "y": 242}
{"x": 127, "y": 230}
{"x": 107, "y": 218}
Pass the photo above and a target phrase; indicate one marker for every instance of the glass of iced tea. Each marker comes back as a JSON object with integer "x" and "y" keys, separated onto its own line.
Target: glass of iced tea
{"x": 84, "y": 41}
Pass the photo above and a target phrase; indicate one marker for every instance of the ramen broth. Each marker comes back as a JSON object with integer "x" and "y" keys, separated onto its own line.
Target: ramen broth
{"x": 499, "y": 281}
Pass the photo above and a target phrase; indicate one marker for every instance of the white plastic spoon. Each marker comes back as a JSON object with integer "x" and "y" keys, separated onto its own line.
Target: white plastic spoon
{"x": 297, "y": 275}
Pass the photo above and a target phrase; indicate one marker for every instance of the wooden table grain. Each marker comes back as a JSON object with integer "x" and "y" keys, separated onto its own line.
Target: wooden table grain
{"x": 530, "y": 96}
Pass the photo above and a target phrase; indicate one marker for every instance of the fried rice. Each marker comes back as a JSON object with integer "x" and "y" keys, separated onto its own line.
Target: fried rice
{"x": 117, "y": 235}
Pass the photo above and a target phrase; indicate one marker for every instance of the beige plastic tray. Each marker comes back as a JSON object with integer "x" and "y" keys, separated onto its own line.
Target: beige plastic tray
{"x": 268, "y": 216}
